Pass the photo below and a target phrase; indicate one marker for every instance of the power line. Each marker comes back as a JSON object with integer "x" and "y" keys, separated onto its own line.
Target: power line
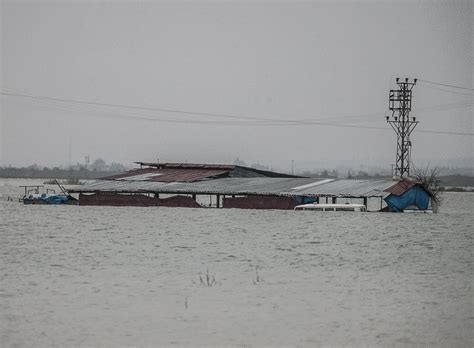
{"x": 446, "y": 90}
{"x": 444, "y": 132}
{"x": 63, "y": 100}
{"x": 264, "y": 121}
{"x": 121, "y": 115}
{"x": 446, "y": 85}
{"x": 441, "y": 107}
{"x": 445, "y": 107}
{"x": 426, "y": 109}
{"x": 185, "y": 112}
{"x": 448, "y": 106}
{"x": 118, "y": 114}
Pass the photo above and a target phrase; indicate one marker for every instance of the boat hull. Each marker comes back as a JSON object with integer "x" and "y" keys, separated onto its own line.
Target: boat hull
{"x": 67, "y": 201}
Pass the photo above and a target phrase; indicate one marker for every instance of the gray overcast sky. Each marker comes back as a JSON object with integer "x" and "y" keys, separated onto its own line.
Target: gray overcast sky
{"x": 285, "y": 60}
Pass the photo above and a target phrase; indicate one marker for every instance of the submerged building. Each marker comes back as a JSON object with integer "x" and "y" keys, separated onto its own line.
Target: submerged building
{"x": 233, "y": 186}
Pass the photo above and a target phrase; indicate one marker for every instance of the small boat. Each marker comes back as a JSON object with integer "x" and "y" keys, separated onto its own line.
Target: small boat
{"x": 332, "y": 207}
{"x": 47, "y": 198}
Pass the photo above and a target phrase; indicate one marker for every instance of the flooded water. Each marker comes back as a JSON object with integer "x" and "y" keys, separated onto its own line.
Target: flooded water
{"x": 109, "y": 276}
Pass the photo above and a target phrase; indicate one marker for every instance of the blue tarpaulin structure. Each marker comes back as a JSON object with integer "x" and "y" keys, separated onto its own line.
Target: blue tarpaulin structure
{"x": 305, "y": 200}
{"x": 416, "y": 195}
{"x": 56, "y": 199}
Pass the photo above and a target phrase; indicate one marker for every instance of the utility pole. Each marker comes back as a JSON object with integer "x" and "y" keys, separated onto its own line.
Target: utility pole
{"x": 400, "y": 121}
{"x": 70, "y": 152}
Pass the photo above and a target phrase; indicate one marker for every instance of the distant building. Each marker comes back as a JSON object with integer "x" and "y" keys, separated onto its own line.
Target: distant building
{"x": 233, "y": 186}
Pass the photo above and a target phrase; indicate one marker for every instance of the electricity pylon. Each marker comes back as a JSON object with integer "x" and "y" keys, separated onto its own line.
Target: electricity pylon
{"x": 400, "y": 105}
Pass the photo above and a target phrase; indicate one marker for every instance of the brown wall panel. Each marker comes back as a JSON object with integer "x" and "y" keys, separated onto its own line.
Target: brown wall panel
{"x": 136, "y": 200}
{"x": 259, "y": 202}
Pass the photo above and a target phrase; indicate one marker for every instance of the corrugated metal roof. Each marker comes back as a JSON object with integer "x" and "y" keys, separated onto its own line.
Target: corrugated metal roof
{"x": 187, "y": 172}
{"x": 248, "y": 186}
{"x": 350, "y": 188}
{"x": 169, "y": 174}
{"x": 241, "y": 171}
{"x": 264, "y": 186}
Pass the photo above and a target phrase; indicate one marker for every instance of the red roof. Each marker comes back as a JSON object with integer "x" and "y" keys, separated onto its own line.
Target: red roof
{"x": 401, "y": 187}
{"x": 169, "y": 174}
{"x": 189, "y": 172}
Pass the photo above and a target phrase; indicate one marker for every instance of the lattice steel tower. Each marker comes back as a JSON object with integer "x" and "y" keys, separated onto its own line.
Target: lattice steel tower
{"x": 402, "y": 124}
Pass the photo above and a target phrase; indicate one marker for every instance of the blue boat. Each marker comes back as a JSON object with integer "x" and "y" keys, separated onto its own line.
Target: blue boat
{"x": 47, "y": 198}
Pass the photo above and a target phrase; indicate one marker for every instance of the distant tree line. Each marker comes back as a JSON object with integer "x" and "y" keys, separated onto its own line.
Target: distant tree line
{"x": 453, "y": 178}
{"x": 98, "y": 168}
{"x": 456, "y": 180}
{"x": 324, "y": 173}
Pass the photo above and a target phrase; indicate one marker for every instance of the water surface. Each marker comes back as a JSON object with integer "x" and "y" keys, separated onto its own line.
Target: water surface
{"x": 107, "y": 276}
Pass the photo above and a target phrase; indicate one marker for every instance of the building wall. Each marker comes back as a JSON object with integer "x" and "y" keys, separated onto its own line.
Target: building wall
{"x": 136, "y": 200}
{"x": 259, "y": 202}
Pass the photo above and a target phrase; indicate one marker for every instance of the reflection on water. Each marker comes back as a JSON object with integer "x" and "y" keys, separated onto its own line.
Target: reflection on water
{"x": 132, "y": 276}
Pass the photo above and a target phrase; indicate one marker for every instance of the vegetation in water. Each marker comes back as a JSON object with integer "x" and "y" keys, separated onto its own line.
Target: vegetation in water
{"x": 207, "y": 279}
{"x": 429, "y": 179}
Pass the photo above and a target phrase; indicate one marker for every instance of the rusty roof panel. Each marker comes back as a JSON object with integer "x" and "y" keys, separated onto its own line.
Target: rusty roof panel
{"x": 186, "y": 172}
{"x": 168, "y": 174}
{"x": 237, "y": 171}
{"x": 400, "y": 187}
